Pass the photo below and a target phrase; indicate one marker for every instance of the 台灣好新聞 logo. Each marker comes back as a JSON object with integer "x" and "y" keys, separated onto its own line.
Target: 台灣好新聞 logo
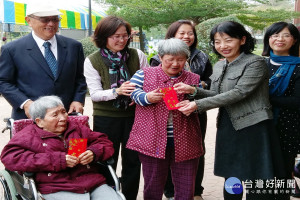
{"x": 233, "y": 186}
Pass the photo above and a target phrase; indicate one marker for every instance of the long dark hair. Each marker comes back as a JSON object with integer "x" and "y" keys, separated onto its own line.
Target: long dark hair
{"x": 173, "y": 28}
{"x": 235, "y": 30}
{"x": 276, "y": 28}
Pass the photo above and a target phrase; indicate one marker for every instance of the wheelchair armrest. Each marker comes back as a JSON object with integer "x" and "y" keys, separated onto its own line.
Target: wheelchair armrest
{"x": 29, "y": 174}
{"x": 108, "y": 165}
{"x": 110, "y": 161}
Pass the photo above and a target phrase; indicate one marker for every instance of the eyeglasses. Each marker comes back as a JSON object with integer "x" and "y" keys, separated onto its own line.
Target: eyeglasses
{"x": 188, "y": 33}
{"x": 284, "y": 36}
{"x": 119, "y": 37}
{"x": 46, "y": 20}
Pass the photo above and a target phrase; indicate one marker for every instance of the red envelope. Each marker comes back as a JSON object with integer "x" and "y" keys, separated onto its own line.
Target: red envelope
{"x": 170, "y": 97}
{"x": 77, "y": 146}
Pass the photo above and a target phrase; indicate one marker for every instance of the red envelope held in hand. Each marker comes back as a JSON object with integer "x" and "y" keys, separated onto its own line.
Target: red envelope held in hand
{"x": 77, "y": 146}
{"x": 170, "y": 97}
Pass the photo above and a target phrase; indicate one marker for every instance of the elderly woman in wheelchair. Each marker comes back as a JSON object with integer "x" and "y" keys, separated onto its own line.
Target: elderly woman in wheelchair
{"x": 42, "y": 148}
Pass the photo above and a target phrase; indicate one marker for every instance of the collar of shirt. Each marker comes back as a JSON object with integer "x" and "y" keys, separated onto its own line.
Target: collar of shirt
{"x": 40, "y": 43}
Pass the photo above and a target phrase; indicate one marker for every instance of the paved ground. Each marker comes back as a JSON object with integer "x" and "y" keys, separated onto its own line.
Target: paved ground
{"x": 213, "y": 185}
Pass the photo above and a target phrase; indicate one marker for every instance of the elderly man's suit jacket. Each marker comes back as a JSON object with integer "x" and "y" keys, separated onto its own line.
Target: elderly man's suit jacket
{"x": 25, "y": 74}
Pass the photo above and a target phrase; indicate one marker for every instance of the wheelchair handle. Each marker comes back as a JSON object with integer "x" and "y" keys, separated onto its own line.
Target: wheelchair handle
{"x": 8, "y": 126}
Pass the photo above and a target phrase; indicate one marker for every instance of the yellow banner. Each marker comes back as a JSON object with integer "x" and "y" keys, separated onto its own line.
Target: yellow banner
{"x": 77, "y": 20}
{"x": 63, "y": 22}
{"x": 19, "y": 13}
{"x": 94, "y": 22}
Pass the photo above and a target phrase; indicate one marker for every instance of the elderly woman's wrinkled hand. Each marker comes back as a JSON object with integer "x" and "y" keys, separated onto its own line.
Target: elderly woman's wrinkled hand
{"x": 126, "y": 88}
{"x": 71, "y": 161}
{"x": 187, "y": 108}
{"x": 182, "y": 88}
{"x": 86, "y": 157}
{"x": 154, "y": 96}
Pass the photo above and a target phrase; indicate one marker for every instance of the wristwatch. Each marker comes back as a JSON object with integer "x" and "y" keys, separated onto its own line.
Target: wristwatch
{"x": 114, "y": 91}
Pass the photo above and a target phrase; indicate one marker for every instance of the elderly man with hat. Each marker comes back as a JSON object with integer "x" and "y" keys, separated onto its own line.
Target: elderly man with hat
{"x": 42, "y": 63}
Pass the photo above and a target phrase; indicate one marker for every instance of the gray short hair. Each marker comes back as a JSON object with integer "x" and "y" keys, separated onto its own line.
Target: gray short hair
{"x": 39, "y": 107}
{"x": 173, "y": 46}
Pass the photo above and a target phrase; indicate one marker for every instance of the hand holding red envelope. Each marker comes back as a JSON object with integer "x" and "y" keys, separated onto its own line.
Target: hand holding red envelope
{"x": 170, "y": 97}
{"x": 77, "y": 146}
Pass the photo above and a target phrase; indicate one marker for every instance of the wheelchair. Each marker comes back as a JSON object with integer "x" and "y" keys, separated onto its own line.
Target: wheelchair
{"x": 16, "y": 186}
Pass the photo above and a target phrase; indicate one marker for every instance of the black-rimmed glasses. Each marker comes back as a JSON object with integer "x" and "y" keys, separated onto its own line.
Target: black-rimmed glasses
{"x": 46, "y": 20}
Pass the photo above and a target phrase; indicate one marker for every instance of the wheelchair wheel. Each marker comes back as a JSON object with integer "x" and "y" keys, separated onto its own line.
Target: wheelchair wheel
{"x": 4, "y": 189}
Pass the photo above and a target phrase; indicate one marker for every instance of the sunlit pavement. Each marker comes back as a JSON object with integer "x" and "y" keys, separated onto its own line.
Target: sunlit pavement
{"x": 213, "y": 185}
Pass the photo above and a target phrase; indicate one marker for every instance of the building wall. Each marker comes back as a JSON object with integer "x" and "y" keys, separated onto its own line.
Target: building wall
{"x": 75, "y": 34}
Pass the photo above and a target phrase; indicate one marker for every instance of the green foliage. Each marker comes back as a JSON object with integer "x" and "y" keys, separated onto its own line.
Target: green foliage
{"x": 203, "y": 30}
{"x": 150, "y": 13}
{"x": 260, "y": 19}
{"x": 88, "y": 46}
{"x": 157, "y": 32}
{"x": 206, "y": 13}
{"x": 258, "y": 50}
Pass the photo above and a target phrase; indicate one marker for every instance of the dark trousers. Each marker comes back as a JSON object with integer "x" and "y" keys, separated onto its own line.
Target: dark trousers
{"x": 169, "y": 187}
{"x": 118, "y": 130}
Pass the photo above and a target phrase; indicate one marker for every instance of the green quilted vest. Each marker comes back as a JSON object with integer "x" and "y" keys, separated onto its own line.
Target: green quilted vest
{"x": 106, "y": 108}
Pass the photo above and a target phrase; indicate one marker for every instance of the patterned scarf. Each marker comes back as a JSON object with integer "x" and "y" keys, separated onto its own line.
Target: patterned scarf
{"x": 118, "y": 73}
{"x": 279, "y": 82}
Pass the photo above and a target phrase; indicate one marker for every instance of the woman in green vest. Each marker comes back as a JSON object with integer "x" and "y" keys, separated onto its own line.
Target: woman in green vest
{"x": 107, "y": 73}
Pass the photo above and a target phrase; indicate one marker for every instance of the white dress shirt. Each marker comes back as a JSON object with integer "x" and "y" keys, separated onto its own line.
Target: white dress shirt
{"x": 40, "y": 43}
{"x": 93, "y": 79}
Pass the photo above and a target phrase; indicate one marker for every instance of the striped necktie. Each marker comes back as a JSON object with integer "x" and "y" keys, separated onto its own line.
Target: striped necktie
{"x": 50, "y": 58}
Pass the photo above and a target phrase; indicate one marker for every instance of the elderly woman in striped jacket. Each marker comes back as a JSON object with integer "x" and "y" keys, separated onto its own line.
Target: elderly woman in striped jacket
{"x": 165, "y": 138}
